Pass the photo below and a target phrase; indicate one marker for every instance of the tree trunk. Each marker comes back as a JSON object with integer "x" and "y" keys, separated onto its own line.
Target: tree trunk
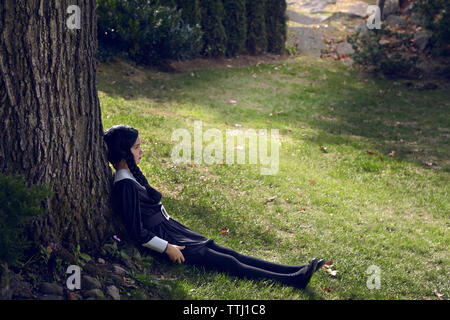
{"x": 50, "y": 113}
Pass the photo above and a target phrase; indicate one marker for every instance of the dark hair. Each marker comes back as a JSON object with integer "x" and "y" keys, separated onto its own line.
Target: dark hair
{"x": 119, "y": 139}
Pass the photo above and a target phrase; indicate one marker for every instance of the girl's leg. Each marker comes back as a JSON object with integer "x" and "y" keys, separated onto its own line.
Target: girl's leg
{"x": 258, "y": 263}
{"x": 222, "y": 262}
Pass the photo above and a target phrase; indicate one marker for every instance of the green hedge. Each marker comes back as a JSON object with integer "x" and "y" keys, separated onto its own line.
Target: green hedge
{"x": 276, "y": 27}
{"x": 235, "y": 23}
{"x": 144, "y": 31}
{"x": 150, "y": 31}
{"x": 256, "y": 26}
{"x": 214, "y": 36}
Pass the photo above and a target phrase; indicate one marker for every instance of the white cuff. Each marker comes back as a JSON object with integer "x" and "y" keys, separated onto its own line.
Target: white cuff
{"x": 164, "y": 212}
{"x": 156, "y": 244}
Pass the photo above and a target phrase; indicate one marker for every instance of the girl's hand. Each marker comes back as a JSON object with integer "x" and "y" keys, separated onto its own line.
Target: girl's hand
{"x": 174, "y": 253}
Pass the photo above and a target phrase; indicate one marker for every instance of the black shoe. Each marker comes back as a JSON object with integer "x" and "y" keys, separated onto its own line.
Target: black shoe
{"x": 320, "y": 264}
{"x": 305, "y": 277}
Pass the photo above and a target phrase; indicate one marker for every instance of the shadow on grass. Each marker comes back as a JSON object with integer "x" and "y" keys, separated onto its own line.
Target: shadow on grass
{"x": 162, "y": 265}
{"x": 397, "y": 120}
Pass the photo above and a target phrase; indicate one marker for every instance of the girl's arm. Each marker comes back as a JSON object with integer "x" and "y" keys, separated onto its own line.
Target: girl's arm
{"x": 131, "y": 214}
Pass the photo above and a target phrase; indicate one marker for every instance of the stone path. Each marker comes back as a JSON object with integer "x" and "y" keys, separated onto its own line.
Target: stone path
{"x": 312, "y": 22}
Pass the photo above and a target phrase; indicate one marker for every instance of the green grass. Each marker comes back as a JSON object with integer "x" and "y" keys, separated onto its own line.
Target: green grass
{"x": 368, "y": 205}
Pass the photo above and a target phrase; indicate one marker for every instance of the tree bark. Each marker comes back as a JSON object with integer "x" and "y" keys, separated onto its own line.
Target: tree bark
{"x": 50, "y": 113}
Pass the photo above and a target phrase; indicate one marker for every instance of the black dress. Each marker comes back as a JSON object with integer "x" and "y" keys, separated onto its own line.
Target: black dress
{"x": 145, "y": 220}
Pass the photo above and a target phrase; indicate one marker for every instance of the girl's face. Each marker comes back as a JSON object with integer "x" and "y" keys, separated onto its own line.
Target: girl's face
{"x": 137, "y": 151}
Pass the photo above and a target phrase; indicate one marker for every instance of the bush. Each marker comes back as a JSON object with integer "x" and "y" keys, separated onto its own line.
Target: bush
{"x": 190, "y": 11}
{"x": 256, "y": 26}
{"x": 18, "y": 204}
{"x": 144, "y": 31}
{"x": 235, "y": 23}
{"x": 276, "y": 28}
{"x": 214, "y": 37}
{"x": 437, "y": 20}
{"x": 392, "y": 58}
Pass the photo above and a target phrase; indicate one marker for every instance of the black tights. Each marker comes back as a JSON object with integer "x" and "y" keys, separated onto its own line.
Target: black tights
{"x": 216, "y": 257}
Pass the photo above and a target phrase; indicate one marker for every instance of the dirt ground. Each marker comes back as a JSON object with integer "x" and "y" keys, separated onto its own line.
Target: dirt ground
{"x": 238, "y": 61}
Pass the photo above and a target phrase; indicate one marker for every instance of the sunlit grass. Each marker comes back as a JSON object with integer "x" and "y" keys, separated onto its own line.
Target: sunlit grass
{"x": 363, "y": 173}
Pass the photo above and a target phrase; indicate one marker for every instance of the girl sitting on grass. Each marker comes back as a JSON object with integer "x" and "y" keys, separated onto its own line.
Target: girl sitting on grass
{"x": 148, "y": 223}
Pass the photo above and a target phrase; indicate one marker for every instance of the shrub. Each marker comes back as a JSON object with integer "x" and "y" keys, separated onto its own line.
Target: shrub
{"x": 144, "y": 31}
{"x": 276, "y": 28}
{"x": 437, "y": 20}
{"x": 191, "y": 14}
{"x": 190, "y": 11}
{"x": 18, "y": 204}
{"x": 391, "y": 58}
{"x": 235, "y": 23}
{"x": 214, "y": 37}
{"x": 256, "y": 26}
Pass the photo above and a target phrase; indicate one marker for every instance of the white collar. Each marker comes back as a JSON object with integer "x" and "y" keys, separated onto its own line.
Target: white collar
{"x": 125, "y": 174}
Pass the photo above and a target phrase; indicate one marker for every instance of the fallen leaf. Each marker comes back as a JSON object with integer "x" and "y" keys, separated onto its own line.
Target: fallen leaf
{"x": 439, "y": 295}
{"x": 370, "y": 152}
{"x": 312, "y": 181}
{"x": 224, "y": 231}
{"x": 190, "y": 164}
{"x": 328, "y": 264}
{"x": 331, "y": 272}
{"x": 303, "y": 209}
{"x": 300, "y": 195}
{"x": 72, "y": 296}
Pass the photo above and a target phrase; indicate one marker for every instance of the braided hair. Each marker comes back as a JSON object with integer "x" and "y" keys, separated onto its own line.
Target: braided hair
{"x": 120, "y": 139}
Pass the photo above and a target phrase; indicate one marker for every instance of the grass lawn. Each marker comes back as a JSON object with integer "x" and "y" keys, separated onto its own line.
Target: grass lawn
{"x": 363, "y": 178}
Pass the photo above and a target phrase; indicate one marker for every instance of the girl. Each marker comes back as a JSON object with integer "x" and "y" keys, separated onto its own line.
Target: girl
{"x": 148, "y": 223}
